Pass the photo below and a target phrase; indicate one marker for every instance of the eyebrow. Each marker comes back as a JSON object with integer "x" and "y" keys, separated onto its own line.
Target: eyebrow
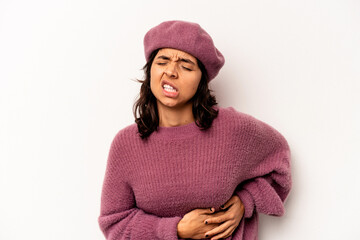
{"x": 181, "y": 59}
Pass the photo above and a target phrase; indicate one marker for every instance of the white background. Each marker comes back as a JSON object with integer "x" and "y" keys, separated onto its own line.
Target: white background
{"x": 67, "y": 71}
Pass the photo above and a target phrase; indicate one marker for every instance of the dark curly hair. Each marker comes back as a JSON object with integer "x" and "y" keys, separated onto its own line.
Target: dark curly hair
{"x": 145, "y": 108}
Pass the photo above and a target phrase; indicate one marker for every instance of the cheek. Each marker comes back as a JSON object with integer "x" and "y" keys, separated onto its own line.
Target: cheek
{"x": 197, "y": 82}
{"x": 153, "y": 78}
{"x": 194, "y": 87}
{"x": 156, "y": 71}
{"x": 154, "y": 88}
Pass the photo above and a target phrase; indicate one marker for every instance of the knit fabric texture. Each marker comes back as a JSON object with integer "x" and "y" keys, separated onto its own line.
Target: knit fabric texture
{"x": 149, "y": 185}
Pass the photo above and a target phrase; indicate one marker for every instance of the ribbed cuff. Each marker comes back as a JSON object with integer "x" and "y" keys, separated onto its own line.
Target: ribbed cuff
{"x": 167, "y": 228}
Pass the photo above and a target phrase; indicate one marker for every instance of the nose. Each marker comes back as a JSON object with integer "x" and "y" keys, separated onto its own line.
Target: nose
{"x": 171, "y": 70}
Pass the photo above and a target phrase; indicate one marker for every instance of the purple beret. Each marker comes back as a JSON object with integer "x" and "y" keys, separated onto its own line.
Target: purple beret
{"x": 188, "y": 37}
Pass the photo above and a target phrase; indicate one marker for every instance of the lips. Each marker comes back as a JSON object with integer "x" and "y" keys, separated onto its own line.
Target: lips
{"x": 169, "y": 90}
{"x": 168, "y": 86}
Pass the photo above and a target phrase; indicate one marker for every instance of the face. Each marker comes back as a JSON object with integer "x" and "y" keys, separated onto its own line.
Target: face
{"x": 174, "y": 78}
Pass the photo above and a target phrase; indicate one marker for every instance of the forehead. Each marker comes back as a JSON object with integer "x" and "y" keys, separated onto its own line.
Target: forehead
{"x": 175, "y": 53}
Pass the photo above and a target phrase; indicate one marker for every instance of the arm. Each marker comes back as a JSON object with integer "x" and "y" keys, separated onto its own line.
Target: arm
{"x": 119, "y": 217}
{"x": 270, "y": 182}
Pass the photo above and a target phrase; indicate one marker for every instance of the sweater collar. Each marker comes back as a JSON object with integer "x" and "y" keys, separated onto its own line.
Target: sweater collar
{"x": 183, "y": 131}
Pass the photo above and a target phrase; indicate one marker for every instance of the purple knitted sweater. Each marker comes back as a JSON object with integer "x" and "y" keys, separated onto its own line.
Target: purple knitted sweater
{"x": 151, "y": 184}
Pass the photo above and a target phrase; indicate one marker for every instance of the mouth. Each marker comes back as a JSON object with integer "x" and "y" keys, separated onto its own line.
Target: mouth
{"x": 169, "y": 90}
{"x": 168, "y": 87}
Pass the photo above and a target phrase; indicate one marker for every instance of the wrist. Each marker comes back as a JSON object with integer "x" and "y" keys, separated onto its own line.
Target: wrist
{"x": 181, "y": 231}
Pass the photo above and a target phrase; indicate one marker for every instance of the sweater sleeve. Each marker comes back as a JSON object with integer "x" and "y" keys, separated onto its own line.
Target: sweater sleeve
{"x": 119, "y": 217}
{"x": 270, "y": 177}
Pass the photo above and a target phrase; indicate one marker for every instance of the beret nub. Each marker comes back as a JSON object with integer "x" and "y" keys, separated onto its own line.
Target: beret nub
{"x": 188, "y": 37}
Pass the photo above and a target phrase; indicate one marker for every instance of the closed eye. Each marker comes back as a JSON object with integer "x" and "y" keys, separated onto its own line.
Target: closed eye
{"x": 188, "y": 69}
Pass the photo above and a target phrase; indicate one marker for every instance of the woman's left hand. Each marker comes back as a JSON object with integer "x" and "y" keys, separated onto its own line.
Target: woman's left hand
{"x": 229, "y": 219}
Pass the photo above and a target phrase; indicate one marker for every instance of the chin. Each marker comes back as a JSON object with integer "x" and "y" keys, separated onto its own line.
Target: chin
{"x": 170, "y": 104}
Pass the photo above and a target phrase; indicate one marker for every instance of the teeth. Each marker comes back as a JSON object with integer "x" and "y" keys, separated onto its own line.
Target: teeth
{"x": 169, "y": 88}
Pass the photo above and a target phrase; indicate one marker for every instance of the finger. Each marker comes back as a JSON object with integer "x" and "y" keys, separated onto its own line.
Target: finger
{"x": 215, "y": 220}
{"x": 224, "y": 234}
{"x": 228, "y": 203}
{"x": 220, "y": 219}
{"x": 207, "y": 210}
{"x": 238, "y": 207}
{"x": 218, "y": 229}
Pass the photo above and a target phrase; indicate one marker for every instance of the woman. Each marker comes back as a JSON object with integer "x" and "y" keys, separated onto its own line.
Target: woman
{"x": 187, "y": 168}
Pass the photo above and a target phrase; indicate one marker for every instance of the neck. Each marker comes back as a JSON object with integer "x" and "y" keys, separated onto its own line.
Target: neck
{"x": 173, "y": 117}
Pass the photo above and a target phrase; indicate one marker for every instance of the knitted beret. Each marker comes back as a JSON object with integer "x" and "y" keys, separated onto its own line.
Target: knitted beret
{"x": 188, "y": 37}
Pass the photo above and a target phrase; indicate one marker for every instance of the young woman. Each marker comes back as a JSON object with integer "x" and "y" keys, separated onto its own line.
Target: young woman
{"x": 187, "y": 168}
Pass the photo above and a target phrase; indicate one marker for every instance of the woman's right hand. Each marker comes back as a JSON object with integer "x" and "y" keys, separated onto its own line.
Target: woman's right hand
{"x": 192, "y": 224}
